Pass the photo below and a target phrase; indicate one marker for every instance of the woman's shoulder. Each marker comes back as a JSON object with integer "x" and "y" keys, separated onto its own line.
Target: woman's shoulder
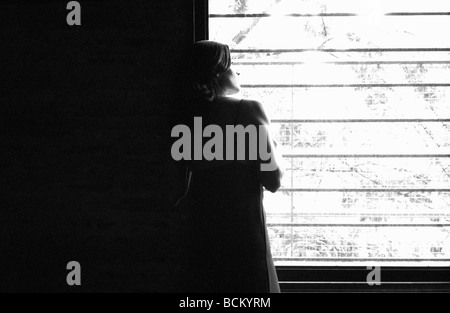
{"x": 248, "y": 111}
{"x": 227, "y": 100}
{"x": 252, "y": 104}
{"x": 253, "y": 111}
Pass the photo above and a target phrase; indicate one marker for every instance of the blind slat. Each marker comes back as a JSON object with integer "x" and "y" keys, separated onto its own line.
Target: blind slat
{"x": 253, "y": 15}
{"x": 353, "y": 225}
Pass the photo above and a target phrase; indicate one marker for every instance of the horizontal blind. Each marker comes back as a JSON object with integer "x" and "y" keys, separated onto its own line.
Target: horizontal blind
{"x": 359, "y": 99}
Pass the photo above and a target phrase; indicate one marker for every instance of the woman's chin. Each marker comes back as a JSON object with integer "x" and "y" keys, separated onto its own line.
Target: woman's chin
{"x": 234, "y": 91}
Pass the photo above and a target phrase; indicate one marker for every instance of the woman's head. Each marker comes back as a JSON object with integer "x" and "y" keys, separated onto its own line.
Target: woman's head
{"x": 211, "y": 72}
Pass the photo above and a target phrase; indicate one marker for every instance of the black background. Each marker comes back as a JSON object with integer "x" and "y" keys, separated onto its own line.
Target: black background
{"x": 85, "y": 154}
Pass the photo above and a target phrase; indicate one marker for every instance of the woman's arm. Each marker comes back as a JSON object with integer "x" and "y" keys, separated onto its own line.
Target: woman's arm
{"x": 270, "y": 161}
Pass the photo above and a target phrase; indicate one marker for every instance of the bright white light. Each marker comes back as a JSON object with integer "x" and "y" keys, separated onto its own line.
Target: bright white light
{"x": 374, "y": 13}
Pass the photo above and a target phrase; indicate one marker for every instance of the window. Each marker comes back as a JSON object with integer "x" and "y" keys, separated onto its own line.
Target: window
{"x": 359, "y": 96}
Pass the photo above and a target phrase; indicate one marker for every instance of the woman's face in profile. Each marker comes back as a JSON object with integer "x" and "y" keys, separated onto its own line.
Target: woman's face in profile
{"x": 228, "y": 82}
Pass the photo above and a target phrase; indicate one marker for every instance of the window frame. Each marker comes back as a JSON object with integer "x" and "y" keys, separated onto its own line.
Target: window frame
{"x": 340, "y": 278}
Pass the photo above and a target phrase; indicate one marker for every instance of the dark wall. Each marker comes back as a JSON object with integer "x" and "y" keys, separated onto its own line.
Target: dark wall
{"x": 85, "y": 158}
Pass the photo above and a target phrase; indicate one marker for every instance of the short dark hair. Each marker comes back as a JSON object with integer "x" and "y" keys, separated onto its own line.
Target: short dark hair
{"x": 210, "y": 59}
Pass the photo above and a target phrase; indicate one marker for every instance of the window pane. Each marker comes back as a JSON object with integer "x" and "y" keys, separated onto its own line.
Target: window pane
{"x": 325, "y": 6}
{"x": 317, "y": 74}
{"x": 367, "y": 173}
{"x": 331, "y": 32}
{"x": 391, "y": 245}
{"x": 348, "y": 207}
{"x": 358, "y": 92}
{"x": 363, "y": 138}
{"x": 353, "y": 103}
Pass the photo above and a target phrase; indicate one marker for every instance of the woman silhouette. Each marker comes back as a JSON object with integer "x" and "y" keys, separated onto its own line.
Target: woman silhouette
{"x": 229, "y": 250}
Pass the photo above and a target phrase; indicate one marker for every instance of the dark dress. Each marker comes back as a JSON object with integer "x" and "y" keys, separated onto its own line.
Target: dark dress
{"x": 228, "y": 243}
